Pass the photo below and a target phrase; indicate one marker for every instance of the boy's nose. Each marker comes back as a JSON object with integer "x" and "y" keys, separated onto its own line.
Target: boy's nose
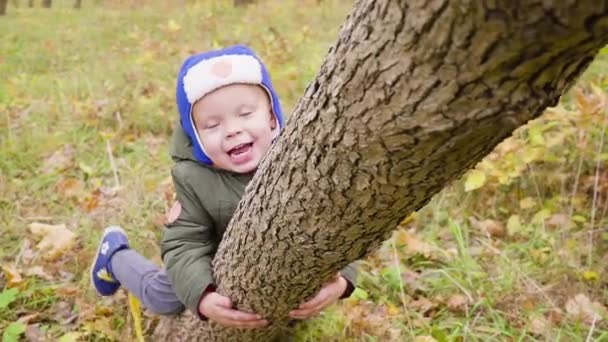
{"x": 232, "y": 129}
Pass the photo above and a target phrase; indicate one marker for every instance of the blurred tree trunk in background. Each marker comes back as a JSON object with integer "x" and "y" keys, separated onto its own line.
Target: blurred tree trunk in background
{"x": 3, "y": 4}
{"x": 30, "y": 3}
{"x": 412, "y": 95}
{"x": 78, "y": 4}
{"x": 242, "y": 2}
{"x": 47, "y": 3}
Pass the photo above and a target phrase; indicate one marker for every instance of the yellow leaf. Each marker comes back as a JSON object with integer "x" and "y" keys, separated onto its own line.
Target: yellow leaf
{"x": 173, "y": 26}
{"x": 591, "y": 276}
{"x": 56, "y": 239}
{"x": 12, "y": 276}
{"x": 527, "y": 203}
{"x": 513, "y": 225}
{"x": 135, "y": 309}
{"x": 475, "y": 180}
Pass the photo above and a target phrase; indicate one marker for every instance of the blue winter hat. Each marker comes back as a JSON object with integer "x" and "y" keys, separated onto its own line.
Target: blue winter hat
{"x": 204, "y": 72}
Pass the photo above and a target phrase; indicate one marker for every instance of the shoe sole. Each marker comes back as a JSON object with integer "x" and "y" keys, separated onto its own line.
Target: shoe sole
{"x": 105, "y": 232}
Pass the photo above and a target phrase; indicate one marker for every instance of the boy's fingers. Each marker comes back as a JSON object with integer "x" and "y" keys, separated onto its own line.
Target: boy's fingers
{"x": 225, "y": 302}
{"x": 236, "y": 315}
{"x": 315, "y": 301}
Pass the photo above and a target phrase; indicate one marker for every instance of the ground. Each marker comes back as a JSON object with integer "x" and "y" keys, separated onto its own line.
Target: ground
{"x": 514, "y": 251}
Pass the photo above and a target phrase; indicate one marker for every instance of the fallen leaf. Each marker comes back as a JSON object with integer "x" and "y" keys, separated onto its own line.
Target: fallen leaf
{"x": 582, "y": 309}
{"x": 67, "y": 291}
{"x": 70, "y": 187}
{"x": 490, "y": 227}
{"x": 527, "y": 203}
{"x": 475, "y": 180}
{"x": 422, "y": 305}
{"x": 59, "y": 160}
{"x": 12, "y": 276}
{"x": 56, "y": 239}
{"x": 457, "y": 303}
{"x": 591, "y": 276}
{"x": 539, "y": 325}
{"x": 34, "y": 334}
{"x": 37, "y": 271}
{"x": 413, "y": 245}
{"x": 513, "y": 225}
{"x": 561, "y": 221}
{"x": 70, "y": 337}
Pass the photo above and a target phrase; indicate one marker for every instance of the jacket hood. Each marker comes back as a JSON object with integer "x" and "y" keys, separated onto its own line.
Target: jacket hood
{"x": 202, "y": 73}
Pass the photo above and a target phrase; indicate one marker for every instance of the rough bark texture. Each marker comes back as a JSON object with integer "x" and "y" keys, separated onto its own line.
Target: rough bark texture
{"x": 411, "y": 95}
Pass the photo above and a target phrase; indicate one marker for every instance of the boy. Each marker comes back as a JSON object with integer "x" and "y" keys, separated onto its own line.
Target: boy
{"x": 229, "y": 115}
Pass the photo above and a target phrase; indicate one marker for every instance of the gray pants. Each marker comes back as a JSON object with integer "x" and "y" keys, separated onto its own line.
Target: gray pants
{"x": 146, "y": 281}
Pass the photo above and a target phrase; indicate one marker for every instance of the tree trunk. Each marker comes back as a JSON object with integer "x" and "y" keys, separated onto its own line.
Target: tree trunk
{"x": 77, "y": 4}
{"x": 47, "y": 3}
{"x": 3, "y": 4}
{"x": 30, "y": 3}
{"x": 411, "y": 95}
{"x": 242, "y": 2}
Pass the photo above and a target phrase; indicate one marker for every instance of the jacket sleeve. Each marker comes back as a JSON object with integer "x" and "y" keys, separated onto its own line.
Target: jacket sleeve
{"x": 350, "y": 274}
{"x": 188, "y": 245}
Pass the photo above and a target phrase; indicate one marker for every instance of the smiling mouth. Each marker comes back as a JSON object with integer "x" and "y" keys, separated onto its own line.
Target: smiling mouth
{"x": 240, "y": 149}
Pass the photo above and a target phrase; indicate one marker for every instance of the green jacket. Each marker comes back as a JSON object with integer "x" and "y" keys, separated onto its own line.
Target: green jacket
{"x": 208, "y": 199}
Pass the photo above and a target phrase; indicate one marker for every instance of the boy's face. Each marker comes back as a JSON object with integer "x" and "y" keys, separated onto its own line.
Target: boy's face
{"x": 235, "y": 125}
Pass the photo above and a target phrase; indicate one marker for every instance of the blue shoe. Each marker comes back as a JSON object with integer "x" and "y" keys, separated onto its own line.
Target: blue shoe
{"x": 113, "y": 240}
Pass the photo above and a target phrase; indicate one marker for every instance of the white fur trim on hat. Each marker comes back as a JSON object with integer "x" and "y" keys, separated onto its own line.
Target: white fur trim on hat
{"x": 210, "y": 74}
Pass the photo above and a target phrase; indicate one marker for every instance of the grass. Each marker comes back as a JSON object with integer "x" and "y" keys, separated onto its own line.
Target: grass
{"x": 83, "y": 88}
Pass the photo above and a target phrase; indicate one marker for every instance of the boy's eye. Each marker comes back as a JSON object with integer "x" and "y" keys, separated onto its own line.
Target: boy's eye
{"x": 211, "y": 125}
{"x": 246, "y": 113}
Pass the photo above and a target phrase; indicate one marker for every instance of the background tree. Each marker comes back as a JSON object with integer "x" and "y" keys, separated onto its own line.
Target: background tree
{"x": 242, "y": 2}
{"x": 3, "y": 4}
{"x": 410, "y": 96}
{"x": 47, "y": 3}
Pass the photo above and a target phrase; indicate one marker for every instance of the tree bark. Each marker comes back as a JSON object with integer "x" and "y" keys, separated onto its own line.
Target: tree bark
{"x": 411, "y": 95}
{"x": 47, "y": 3}
{"x": 30, "y": 3}
{"x": 3, "y": 4}
{"x": 77, "y": 4}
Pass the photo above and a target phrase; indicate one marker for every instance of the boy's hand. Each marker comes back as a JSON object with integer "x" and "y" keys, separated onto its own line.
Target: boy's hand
{"x": 328, "y": 295}
{"x": 218, "y": 308}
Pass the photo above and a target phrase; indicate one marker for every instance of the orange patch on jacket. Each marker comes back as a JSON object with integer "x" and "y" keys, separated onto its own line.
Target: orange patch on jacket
{"x": 222, "y": 69}
{"x": 174, "y": 212}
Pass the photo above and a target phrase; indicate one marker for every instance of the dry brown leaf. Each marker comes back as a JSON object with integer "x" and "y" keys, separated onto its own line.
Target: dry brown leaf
{"x": 70, "y": 187}
{"x": 490, "y": 227}
{"x": 561, "y": 221}
{"x": 539, "y": 325}
{"x": 33, "y": 333}
{"x": 581, "y": 308}
{"x": 413, "y": 245}
{"x": 527, "y": 203}
{"x": 67, "y": 291}
{"x": 12, "y": 276}
{"x": 59, "y": 160}
{"x": 37, "y": 271}
{"x": 56, "y": 239}
{"x": 422, "y": 305}
{"x": 457, "y": 303}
